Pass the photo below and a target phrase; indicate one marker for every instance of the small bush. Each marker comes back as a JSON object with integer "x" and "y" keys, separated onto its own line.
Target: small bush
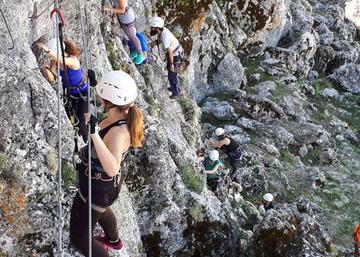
{"x": 196, "y": 212}
{"x": 154, "y": 107}
{"x": 112, "y": 56}
{"x": 191, "y": 178}
{"x": 334, "y": 250}
{"x": 188, "y": 109}
{"x": 321, "y": 84}
{"x": 68, "y": 174}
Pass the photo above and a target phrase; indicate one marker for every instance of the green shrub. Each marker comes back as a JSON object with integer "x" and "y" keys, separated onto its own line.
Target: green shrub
{"x": 196, "y": 212}
{"x": 334, "y": 250}
{"x": 191, "y": 178}
{"x": 154, "y": 107}
{"x": 112, "y": 56}
{"x": 68, "y": 174}
{"x": 188, "y": 109}
{"x": 321, "y": 84}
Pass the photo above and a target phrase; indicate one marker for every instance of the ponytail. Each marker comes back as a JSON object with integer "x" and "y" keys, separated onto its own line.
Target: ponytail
{"x": 135, "y": 121}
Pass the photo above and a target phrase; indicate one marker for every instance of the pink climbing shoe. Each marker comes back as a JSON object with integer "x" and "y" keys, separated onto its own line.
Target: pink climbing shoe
{"x": 118, "y": 246}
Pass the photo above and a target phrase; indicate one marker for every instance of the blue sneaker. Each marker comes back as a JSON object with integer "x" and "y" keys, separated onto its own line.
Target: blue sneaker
{"x": 133, "y": 55}
{"x": 139, "y": 59}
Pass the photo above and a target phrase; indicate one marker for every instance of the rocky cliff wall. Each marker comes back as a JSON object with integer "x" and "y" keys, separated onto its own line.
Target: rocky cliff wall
{"x": 299, "y": 129}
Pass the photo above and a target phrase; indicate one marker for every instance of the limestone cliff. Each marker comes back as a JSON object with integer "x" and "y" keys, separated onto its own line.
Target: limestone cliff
{"x": 281, "y": 76}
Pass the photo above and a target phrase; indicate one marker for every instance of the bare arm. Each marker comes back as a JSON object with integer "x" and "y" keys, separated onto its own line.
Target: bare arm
{"x": 111, "y": 150}
{"x": 119, "y": 10}
{"x": 49, "y": 71}
{"x": 220, "y": 143}
{"x": 71, "y": 61}
{"x": 170, "y": 55}
{"x": 213, "y": 171}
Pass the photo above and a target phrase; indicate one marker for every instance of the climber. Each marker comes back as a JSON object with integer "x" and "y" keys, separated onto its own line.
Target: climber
{"x": 73, "y": 83}
{"x": 229, "y": 146}
{"x": 356, "y": 236}
{"x": 144, "y": 47}
{"x": 173, "y": 53}
{"x": 266, "y": 203}
{"x": 126, "y": 17}
{"x": 110, "y": 138}
{"x": 212, "y": 165}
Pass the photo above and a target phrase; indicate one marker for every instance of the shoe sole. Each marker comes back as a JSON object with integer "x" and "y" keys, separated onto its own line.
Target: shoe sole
{"x": 109, "y": 247}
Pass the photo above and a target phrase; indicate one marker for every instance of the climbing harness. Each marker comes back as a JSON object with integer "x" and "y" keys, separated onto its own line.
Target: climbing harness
{"x": 8, "y": 29}
{"x": 60, "y": 22}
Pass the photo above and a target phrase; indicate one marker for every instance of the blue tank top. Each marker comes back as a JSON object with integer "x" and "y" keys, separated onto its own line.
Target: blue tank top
{"x": 76, "y": 84}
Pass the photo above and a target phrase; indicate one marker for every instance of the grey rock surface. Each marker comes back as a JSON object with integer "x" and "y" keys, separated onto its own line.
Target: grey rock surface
{"x": 259, "y": 68}
{"x": 347, "y": 76}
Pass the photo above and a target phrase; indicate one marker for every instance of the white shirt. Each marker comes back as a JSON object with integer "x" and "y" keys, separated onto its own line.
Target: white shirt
{"x": 169, "y": 40}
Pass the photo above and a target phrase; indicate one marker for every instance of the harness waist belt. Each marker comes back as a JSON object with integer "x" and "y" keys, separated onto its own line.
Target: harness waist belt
{"x": 177, "y": 48}
{"x": 98, "y": 175}
{"x": 95, "y": 207}
{"x": 78, "y": 85}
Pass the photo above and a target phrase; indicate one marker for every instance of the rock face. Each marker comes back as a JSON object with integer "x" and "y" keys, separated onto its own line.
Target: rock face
{"x": 219, "y": 68}
{"x": 261, "y": 69}
{"x": 220, "y": 110}
{"x": 347, "y": 76}
{"x": 295, "y": 60}
{"x": 286, "y": 232}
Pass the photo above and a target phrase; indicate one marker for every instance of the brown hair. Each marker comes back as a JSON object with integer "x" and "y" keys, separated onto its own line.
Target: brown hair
{"x": 135, "y": 122}
{"x": 70, "y": 48}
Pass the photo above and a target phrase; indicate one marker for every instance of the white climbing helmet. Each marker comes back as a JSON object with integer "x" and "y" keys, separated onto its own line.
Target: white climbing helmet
{"x": 214, "y": 155}
{"x": 117, "y": 87}
{"x": 52, "y": 45}
{"x": 157, "y": 22}
{"x": 268, "y": 197}
{"x": 219, "y": 132}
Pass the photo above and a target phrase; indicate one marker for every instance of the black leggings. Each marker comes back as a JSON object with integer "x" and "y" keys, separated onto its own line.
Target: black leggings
{"x": 79, "y": 227}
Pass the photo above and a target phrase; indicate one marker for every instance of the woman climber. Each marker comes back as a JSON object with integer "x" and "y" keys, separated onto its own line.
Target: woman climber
{"x": 111, "y": 138}
{"x": 72, "y": 80}
{"x": 126, "y": 17}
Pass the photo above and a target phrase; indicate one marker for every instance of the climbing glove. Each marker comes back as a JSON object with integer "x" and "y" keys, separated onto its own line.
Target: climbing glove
{"x": 93, "y": 124}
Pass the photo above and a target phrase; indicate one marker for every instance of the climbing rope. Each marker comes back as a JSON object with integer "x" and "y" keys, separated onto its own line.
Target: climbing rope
{"x": 8, "y": 29}
{"x": 58, "y": 33}
{"x": 85, "y": 45}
